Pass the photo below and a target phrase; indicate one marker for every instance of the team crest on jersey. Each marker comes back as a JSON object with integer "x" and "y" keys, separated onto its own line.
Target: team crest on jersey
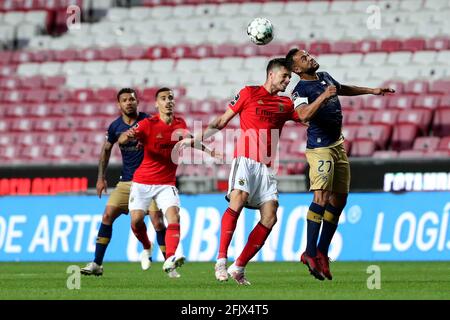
{"x": 260, "y": 102}
{"x": 241, "y": 181}
{"x": 295, "y": 96}
{"x": 236, "y": 98}
{"x": 159, "y": 136}
{"x": 281, "y": 107}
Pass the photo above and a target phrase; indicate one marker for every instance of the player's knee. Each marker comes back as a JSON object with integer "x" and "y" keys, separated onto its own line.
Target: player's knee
{"x": 321, "y": 197}
{"x": 109, "y": 216}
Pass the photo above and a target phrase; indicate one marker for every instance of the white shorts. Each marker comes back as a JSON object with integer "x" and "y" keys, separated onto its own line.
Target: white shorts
{"x": 255, "y": 178}
{"x": 141, "y": 195}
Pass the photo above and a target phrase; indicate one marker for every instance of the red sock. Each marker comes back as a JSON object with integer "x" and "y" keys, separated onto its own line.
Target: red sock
{"x": 141, "y": 233}
{"x": 172, "y": 238}
{"x": 255, "y": 242}
{"x": 227, "y": 227}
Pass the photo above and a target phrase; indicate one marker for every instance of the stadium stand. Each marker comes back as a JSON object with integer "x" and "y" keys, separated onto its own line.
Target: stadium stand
{"x": 56, "y": 83}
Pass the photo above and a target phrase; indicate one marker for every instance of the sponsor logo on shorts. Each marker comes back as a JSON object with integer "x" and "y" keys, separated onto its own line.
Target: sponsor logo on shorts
{"x": 241, "y": 181}
{"x": 131, "y": 199}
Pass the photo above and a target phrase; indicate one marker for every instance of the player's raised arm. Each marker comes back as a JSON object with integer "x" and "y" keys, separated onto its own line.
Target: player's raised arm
{"x": 102, "y": 165}
{"x": 347, "y": 90}
{"x": 306, "y": 111}
{"x": 216, "y": 125}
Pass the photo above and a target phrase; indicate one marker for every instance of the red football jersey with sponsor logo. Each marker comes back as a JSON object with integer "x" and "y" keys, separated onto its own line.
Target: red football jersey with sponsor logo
{"x": 262, "y": 118}
{"x": 158, "y": 139}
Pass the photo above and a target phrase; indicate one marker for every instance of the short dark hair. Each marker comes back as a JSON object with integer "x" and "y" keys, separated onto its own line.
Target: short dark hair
{"x": 290, "y": 57}
{"x": 163, "y": 89}
{"x": 276, "y": 63}
{"x": 125, "y": 90}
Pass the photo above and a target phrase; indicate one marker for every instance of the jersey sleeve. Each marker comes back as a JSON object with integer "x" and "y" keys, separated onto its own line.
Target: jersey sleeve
{"x": 111, "y": 135}
{"x": 238, "y": 103}
{"x": 299, "y": 97}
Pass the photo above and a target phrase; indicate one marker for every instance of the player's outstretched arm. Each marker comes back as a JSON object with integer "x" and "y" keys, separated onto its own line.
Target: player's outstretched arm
{"x": 105, "y": 154}
{"x": 347, "y": 90}
{"x": 216, "y": 125}
{"x": 306, "y": 111}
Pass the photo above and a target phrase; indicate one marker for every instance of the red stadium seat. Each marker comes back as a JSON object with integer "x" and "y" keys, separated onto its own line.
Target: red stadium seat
{"x": 87, "y": 109}
{"x": 385, "y": 117}
{"x": 444, "y": 102}
{"x": 441, "y": 122}
{"x": 444, "y": 143}
{"x": 366, "y": 46}
{"x": 320, "y": 47}
{"x": 272, "y": 49}
{"x": 353, "y": 103}
{"x": 183, "y": 106}
{"x": 398, "y": 86}
{"x": 417, "y": 87}
{"x": 390, "y": 45}
{"x": 343, "y": 47}
{"x": 362, "y": 148}
{"x": 34, "y": 153}
{"x": 32, "y": 82}
{"x": 132, "y": 53}
{"x": 400, "y": 102}
{"x": 296, "y": 133}
{"x": 379, "y": 134}
{"x": 39, "y": 110}
{"x": 181, "y": 51}
{"x": 21, "y": 56}
{"x": 13, "y": 96}
{"x": 439, "y": 43}
{"x": 247, "y": 50}
{"x": 22, "y": 125}
{"x": 376, "y": 102}
{"x": 426, "y": 143}
{"x": 158, "y": 52}
{"x": 9, "y": 154}
{"x": 5, "y": 57}
{"x": 54, "y": 82}
{"x": 67, "y": 124}
{"x": 88, "y": 54}
{"x": 59, "y": 95}
{"x": 204, "y": 51}
{"x": 66, "y": 55}
{"x": 46, "y": 124}
{"x": 419, "y": 117}
{"x": 26, "y": 139}
{"x": 349, "y": 132}
{"x": 105, "y": 95}
{"x": 385, "y": 154}
{"x": 298, "y": 148}
{"x": 19, "y": 110}
{"x": 38, "y": 95}
{"x": 413, "y": 45}
{"x": 111, "y": 54}
{"x": 427, "y": 101}
{"x": 403, "y": 136}
{"x": 440, "y": 86}
{"x": 82, "y": 95}
{"x": 44, "y": 55}
{"x": 359, "y": 117}
{"x": 7, "y": 138}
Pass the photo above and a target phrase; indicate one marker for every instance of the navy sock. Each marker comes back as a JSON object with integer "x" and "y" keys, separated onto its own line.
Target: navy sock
{"x": 103, "y": 238}
{"x": 161, "y": 239}
{"x": 314, "y": 219}
{"x": 330, "y": 223}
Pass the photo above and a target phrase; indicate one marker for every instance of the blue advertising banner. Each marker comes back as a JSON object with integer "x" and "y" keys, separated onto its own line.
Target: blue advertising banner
{"x": 373, "y": 226}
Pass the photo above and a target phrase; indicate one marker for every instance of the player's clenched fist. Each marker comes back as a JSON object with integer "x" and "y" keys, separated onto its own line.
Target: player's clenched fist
{"x": 330, "y": 91}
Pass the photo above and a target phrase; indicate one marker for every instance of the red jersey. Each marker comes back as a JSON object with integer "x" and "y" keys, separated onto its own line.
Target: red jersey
{"x": 262, "y": 118}
{"x": 158, "y": 139}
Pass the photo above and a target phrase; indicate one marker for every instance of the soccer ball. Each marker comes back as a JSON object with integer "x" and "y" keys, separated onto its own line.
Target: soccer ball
{"x": 260, "y": 31}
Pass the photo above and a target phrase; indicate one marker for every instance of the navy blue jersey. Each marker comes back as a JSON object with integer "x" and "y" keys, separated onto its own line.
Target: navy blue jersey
{"x": 326, "y": 124}
{"x": 131, "y": 155}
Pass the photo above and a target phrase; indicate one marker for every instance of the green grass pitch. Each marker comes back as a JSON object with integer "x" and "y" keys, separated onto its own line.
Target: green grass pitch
{"x": 270, "y": 281}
